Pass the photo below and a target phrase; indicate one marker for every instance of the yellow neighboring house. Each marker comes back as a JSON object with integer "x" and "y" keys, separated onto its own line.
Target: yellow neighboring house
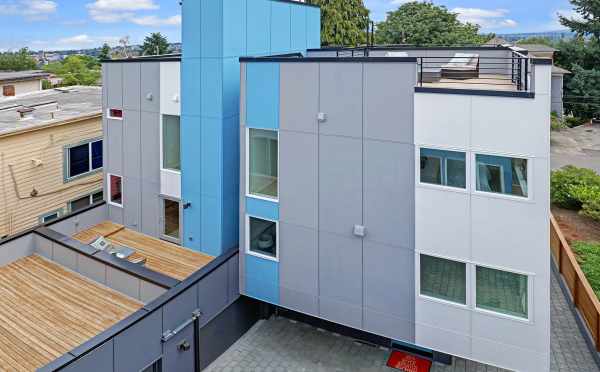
{"x": 50, "y": 155}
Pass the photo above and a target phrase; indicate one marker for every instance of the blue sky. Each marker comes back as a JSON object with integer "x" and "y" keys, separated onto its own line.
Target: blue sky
{"x": 64, "y": 24}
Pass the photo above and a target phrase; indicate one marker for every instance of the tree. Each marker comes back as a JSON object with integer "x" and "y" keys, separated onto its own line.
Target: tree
{"x": 584, "y": 90}
{"x": 423, "y": 23}
{"x": 18, "y": 61}
{"x": 104, "y": 52}
{"x": 589, "y": 24}
{"x": 155, "y": 44}
{"x": 536, "y": 40}
{"x": 343, "y": 22}
{"x": 76, "y": 70}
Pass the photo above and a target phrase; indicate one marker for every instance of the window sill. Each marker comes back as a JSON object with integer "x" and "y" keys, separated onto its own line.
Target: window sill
{"x": 83, "y": 175}
{"x": 444, "y": 302}
{"x": 265, "y": 198}
{"x": 496, "y": 314}
{"x": 262, "y": 256}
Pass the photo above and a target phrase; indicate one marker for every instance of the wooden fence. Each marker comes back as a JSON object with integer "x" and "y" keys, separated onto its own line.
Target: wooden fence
{"x": 583, "y": 296}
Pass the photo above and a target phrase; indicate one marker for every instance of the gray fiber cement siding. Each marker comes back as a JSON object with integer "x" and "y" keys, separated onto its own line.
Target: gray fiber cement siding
{"x": 356, "y": 168}
{"x": 132, "y": 145}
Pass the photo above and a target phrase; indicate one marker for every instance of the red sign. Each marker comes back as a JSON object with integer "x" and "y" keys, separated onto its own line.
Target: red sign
{"x": 408, "y": 363}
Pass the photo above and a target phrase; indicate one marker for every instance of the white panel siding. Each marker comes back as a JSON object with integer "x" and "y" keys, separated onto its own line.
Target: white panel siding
{"x": 170, "y": 183}
{"x": 170, "y": 92}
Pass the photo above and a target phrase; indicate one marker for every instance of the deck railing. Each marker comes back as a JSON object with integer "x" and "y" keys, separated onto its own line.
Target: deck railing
{"x": 583, "y": 296}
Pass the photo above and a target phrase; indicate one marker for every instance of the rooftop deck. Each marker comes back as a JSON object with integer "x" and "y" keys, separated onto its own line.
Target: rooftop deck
{"x": 161, "y": 256}
{"x": 47, "y": 310}
{"x": 483, "y": 82}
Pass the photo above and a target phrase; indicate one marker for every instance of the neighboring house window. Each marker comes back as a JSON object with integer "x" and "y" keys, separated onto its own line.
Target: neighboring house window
{"x": 85, "y": 201}
{"x": 8, "y": 90}
{"x": 443, "y": 279}
{"x": 170, "y": 145}
{"x": 115, "y": 114}
{"x": 444, "y": 168}
{"x": 261, "y": 239}
{"x": 502, "y": 175}
{"x": 51, "y": 216}
{"x": 171, "y": 220}
{"x": 115, "y": 190}
{"x": 263, "y": 163}
{"x": 83, "y": 159}
{"x": 502, "y": 292}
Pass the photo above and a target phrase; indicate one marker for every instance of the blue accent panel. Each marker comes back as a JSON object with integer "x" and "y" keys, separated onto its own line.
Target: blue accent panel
{"x": 234, "y": 28}
{"x": 192, "y": 218}
{"x": 298, "y": 26}
{"x": 262, "y": 208}
{"x": 212, "y": 233}
{"x": 313, "y": 27}
{"x": 262, "y": 95}
{"x": 281, "y": 27}
{"x": 191, "y": 87}
{"x": 231, "y": 225}
{"x": 262, "y": 279}
{"x": 231, "y": 156}
{"x": 231, "y": 86}
{"x": 212, "y": 87}
{"x": 211, "y": 147}
{"x": 211, "y": 22}
{"x": 191, "y": 30}
{"x": 192, "y": 129}
{"x": 258, "y": 28}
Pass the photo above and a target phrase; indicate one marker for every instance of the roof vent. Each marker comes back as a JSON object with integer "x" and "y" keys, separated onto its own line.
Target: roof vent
{"x": 25, "y": 112}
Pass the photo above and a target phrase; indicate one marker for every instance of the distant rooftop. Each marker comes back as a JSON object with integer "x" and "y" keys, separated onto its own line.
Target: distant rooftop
{"x": 48, "y": 107}
{"x": 541, "y": 48}
{"x": 8, "y": 76}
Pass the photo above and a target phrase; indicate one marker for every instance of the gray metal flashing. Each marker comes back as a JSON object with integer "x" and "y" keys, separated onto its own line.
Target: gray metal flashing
{"x": 475, "y": 92}
{"x": 411, "y": 47}
{"x": 330, "y": 59}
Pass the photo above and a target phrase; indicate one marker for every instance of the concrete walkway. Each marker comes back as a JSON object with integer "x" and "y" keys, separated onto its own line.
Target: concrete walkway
{"x": 578, "y": 146}
{"x": 279, "y": 344}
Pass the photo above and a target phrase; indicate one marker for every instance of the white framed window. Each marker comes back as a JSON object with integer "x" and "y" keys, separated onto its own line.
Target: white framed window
{"x": 442, "y": 168}
{"x": 85, "y": 201}
{"x": 262, "y": 164}
{"x": 51, "y": 216}
{"x": 115, "y": 190}
{"x": 170, "y": 143}
{"x": 115, "y": 114}
{"x": 502, "y": 292}
{"x": 262, "y": 237}
{"x": 82, "y": 159}
{"x": 505, "y": 176}
{"x": 170, "y": 220}
{"x": 443, "y": 279}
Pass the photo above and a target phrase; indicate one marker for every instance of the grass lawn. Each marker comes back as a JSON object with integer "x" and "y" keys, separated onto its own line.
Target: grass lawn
{"x": 588, "y": 255}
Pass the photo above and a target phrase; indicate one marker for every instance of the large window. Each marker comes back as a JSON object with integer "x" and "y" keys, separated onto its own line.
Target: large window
{"x": 170, "y": 145}
{"x": 502, "y": 292}
{"x": 171, "y": 221}
{"x": 83, "y": 159}
{"x": 443, "y": 279}
{"x": 115, "y": 190}
{"x": 262, "y": 237}
{"x": 502, "y": 175}
{"x": 85, "y": 201}
{"x": 263, "y": 163}
{"x": 444, "y": 168}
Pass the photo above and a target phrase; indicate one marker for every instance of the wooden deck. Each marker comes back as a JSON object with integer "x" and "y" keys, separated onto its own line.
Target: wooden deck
{"x": 485, "y": 82}
{"x": 161, "y": 256}
{"x": 47, "y": 310}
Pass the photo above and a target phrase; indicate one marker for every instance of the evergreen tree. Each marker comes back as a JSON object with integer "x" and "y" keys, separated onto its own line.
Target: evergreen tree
{"x": 589, "y": 24}
{"x": 155, "y": 44}
{"x": 343, "y": 22}
{"x": 18, "y": 61}
{"x": 104, "y": 52}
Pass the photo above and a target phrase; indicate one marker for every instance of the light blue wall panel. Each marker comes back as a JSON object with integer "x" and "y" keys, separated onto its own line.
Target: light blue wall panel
{"x": 192, "y": 217}
{"x": 231, "y": 85}
{"x": 234, "y": 27}
{"x": 258, "y": 26}
{"x": 262, "y": 208}
{"x": 212, "y": 225}
{"x": 262, "y": 95}
{"x": 298, "y": 28}
{"x": 211, "y": 85}
{"x": 211, "y": 147}
{"x": 191, "y": 90}
{"x": 211, "y": 23}
{"x": 262, "y": 279}
{"x": 313, "y": 27}
{"x": 280, "y": 24}
{"x": 191, "y": 29}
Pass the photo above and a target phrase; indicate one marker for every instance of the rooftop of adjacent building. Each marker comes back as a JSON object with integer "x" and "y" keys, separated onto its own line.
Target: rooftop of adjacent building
{"x": 15, "y": 76}
{"x": 49, "y": 107}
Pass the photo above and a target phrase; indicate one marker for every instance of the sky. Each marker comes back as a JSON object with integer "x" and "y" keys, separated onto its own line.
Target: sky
{"x": 78, "y": 24}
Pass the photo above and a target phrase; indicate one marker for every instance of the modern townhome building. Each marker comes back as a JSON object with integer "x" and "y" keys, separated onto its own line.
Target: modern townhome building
{"x": 399, "y": 194}
{"x": 14, "y": 83}
{"x": 50, "y": 155}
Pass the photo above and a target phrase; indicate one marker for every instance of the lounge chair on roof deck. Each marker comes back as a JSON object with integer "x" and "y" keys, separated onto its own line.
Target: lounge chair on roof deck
{"x": 462, "y": 66}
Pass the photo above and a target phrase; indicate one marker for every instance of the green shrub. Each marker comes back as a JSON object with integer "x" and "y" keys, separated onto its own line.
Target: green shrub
{"x": 564, "y": 181}
{"x": 588, "y": 256}
{"x": 574, "y": 121}
{"x": 589, "y": 196}
{"x": 556, "y": 122}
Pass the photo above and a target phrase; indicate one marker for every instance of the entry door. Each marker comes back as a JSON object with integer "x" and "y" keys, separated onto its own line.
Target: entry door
{"x": 180, "y": 348}
{"x": 340, "y": 194}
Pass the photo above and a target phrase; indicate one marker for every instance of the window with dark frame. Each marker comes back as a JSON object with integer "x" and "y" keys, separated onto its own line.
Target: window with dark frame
{"x": 116, "y": 189}
{"x": 83, "y": 159}
{"x": 171, "y": 229}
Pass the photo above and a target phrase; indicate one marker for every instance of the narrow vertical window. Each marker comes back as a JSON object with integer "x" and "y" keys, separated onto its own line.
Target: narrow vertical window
{"x": 171, "y": 225}
{"x": 115, "y": 185}
{"x": 171, "y": 142}
{"x": 263, "y": 163}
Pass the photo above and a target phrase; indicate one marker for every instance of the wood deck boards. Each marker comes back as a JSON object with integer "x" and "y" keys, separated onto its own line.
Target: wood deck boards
{"x": 161, "y": 256}
{"x": 47, "y": 310}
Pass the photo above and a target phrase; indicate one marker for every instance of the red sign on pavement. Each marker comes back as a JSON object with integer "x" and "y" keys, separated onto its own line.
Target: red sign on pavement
{"x": 408, "y": 363}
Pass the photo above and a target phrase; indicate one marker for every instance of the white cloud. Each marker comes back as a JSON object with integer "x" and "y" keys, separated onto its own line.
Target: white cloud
{"x": 486, "y": 18}
{"x": 122, "y": 5}
{"x": 81, "y": 41}
{"x": 156, "y": 21}
{"x": 32, "y": 10}
{"x": 569, "y": 13}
